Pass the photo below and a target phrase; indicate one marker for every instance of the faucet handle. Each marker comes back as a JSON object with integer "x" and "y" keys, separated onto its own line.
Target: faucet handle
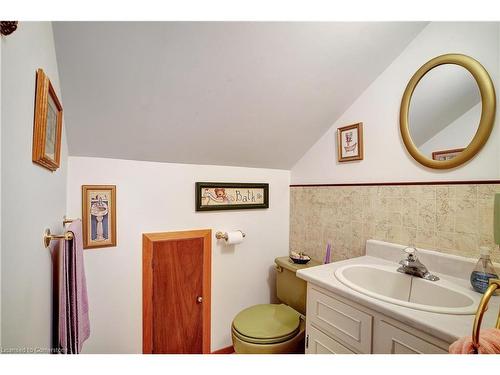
{"x": 411, "y": 253}
{"x": 411, "y": 265}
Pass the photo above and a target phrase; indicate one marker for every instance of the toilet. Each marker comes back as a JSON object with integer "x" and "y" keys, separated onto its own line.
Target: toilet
{"x": 275, "y": 328}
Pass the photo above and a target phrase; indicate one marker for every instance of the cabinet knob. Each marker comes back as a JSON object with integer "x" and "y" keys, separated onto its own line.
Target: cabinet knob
{"x": 199, "y": 299}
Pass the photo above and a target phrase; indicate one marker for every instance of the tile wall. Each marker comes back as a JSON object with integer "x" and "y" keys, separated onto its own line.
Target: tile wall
{"x": 455, "y": 219}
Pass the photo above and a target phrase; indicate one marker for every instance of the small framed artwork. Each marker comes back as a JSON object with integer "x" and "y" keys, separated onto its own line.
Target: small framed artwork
{"x": 47, "y": 124}
{"x": 446, "y": 154}
{"x": 212, "y": 196}
{"x": 99, "y": 216}
{"x": 350, "y": 142}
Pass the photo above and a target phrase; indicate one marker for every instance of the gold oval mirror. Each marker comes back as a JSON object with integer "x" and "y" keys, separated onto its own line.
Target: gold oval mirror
{"x": 447, "y": 111}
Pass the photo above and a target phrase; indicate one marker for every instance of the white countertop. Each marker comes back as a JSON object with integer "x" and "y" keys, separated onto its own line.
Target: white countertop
{"x": 446, "y": 327}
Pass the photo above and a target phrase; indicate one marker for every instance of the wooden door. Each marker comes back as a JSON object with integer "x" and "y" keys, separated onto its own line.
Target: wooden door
{"x": 176, "y": 292}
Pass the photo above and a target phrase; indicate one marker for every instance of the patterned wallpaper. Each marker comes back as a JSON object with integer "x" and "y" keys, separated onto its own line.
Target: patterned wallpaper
{"x": 455, "y": 219}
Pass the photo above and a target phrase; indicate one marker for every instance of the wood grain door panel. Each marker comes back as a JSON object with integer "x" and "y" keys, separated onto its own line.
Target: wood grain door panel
{"x": 176, "y": 292}
{"x": 177, "y": 282}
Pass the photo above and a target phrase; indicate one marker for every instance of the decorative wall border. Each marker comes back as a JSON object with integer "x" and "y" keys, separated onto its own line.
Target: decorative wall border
{"x": 470, "y": 182}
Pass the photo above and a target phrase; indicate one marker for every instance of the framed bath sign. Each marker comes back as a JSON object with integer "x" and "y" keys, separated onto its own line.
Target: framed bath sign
{"x": 212, "y": 196}
{"x": 99, "y": 216}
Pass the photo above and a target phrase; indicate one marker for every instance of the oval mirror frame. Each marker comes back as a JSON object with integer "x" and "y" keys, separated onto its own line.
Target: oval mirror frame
{"x": 486, "y": 122}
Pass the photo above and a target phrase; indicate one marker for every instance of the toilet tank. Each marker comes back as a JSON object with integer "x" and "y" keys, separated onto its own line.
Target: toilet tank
{"x": 290, "y": 289}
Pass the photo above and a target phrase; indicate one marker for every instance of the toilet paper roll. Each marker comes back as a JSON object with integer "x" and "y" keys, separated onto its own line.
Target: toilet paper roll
{"x": 234, "y": 238}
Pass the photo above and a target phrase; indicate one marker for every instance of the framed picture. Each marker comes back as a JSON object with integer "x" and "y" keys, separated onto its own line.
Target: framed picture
{"x": 446, "y": 154}
{"x": 212, "y": 196}
{"x": 99, "y": 216}
{"x": 47, "y": 124}
{"x": 350, "y": 142}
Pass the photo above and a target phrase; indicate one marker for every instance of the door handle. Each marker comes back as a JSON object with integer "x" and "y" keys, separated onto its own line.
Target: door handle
{"x": 199, "y": 299}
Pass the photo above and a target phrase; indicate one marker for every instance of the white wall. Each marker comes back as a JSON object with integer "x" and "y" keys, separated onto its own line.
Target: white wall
{"x": 158, "y": 197}
{"x": 386, "y": 158}
{"x": 33, "y": 198}
{"x": 458, "y": 134}
{"x": 1, "y": 44}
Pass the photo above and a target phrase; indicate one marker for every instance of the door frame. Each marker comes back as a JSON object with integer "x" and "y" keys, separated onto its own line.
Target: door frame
{"x": 148, "y": 240}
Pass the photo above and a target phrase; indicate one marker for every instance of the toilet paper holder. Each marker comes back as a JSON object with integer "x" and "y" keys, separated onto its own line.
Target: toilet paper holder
{"x": 223, "y": 235}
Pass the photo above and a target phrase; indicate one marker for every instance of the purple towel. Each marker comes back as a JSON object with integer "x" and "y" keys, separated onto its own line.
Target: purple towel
{"x": 73, "y": 309}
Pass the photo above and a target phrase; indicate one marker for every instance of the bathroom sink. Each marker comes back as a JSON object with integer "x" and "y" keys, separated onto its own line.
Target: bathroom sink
{"x": 386, "y": 284}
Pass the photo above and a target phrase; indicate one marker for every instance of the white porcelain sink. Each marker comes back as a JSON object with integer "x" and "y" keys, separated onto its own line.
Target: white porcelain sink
{"x": 386, "y": 284}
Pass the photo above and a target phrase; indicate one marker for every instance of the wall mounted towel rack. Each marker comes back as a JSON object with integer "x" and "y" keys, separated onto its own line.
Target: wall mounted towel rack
{"x": 483, "y": 306}
{"x": 67, "y": 221}
{"x": 47, "y": 237}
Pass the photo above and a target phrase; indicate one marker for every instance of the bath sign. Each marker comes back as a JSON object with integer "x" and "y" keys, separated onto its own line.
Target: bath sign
{"x": 212, "y": 196}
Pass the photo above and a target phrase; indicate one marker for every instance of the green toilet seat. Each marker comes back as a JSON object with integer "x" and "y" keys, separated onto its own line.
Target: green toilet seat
{"x": 266, "y": 324}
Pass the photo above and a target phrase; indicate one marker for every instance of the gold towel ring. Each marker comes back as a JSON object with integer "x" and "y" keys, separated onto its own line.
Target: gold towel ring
{"x": 483, "y": 306}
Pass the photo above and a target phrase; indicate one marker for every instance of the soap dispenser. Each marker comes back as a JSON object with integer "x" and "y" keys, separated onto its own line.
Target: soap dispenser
{"x": 483, "y": 272}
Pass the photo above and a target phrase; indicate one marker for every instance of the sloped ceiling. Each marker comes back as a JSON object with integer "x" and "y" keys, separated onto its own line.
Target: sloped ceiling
{"x": 253, "y": 94}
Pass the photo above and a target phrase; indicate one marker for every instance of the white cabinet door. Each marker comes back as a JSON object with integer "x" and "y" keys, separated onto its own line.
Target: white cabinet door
{"x": 338, "y": 325}
{"x": 319, "y": 343}
{"x": 389, "y": 339}
{"x": 339, "y": 320}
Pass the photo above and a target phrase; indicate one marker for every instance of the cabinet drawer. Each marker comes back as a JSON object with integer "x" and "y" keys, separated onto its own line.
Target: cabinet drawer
{"x": 388, "y": 339}
{"x": 340, "y": 320}
{"x": 319, "y": 343}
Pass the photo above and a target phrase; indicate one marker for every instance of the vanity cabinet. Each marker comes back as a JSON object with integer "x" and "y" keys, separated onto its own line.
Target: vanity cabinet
{"x": 388, "y": 338}
{"x": 319, "y": 343}
{"x": 336, "y": 325}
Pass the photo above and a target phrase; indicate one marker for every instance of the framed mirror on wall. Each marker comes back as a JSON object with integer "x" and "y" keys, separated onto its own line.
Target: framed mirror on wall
{"x": 447, "y": 111}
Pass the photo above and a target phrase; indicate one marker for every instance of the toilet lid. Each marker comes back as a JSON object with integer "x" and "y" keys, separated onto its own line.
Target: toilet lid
{"x": 267, "y": 323}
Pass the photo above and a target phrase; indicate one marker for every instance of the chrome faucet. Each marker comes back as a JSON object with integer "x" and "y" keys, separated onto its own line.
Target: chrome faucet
{"x": 412, "y": 266}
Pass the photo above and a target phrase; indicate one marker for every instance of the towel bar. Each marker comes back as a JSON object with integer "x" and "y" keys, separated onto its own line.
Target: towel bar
{"x": 483, "y": 306}
{"x": 67, "y": 221}
{"x": 47, "y": 237}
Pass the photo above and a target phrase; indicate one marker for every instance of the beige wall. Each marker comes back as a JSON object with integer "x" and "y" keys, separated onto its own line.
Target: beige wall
{"x": 455, "y": 219}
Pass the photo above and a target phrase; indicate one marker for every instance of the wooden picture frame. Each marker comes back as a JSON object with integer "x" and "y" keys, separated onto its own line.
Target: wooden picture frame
{"x": 444, "y": 155}
{"x": 486, "y": 121}
{"x": 99, "y": 216}
{"x": 47, "y": 124}
{"x": 212, "y": 196}
{"x": 350, "y": 142}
